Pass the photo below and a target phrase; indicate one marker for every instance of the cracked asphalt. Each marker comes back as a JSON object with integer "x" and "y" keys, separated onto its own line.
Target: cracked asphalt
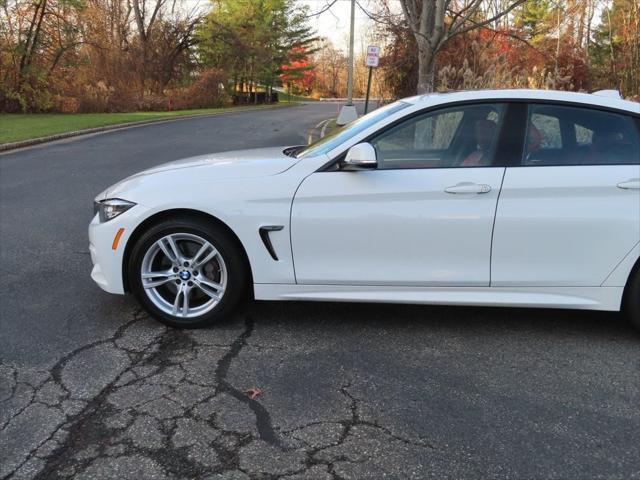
{"x": 91, "y": 388}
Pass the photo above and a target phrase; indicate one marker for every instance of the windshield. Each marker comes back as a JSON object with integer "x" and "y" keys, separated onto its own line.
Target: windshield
{"x": 329, "y": 142}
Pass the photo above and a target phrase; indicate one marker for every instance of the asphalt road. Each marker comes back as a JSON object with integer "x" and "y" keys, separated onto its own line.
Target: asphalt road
{"x": 91, "y": 388}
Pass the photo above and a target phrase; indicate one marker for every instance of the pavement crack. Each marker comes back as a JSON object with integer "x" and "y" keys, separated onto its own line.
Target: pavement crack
{"x": 263, "y": 418}
{"x": 14, "y": 377}
{"x": 356, "y": 420}
{"x": 77, "y": 423}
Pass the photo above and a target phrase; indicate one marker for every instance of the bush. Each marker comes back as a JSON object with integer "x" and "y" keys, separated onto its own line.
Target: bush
{"x": 64, "y": 104}
{"x": 154, "y": 104}
{"x": 208, "y": 90}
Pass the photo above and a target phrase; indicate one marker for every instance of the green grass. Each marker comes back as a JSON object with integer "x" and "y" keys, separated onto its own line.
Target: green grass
{"x": 24, "y": 126}
{"x": 284, "y": 98}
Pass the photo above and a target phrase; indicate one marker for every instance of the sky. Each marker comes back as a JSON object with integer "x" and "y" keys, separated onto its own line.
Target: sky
{"x": 334, "y": 23}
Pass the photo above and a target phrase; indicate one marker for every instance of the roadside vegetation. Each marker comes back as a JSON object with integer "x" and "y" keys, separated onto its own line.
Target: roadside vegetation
{"x": 92, "y": 56}
{"x": 576, "y": 45}
{"x": 149, "y": 55}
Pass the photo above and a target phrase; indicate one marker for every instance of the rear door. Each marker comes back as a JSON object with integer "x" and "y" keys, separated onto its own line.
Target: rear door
{"x": 571, "y": 211}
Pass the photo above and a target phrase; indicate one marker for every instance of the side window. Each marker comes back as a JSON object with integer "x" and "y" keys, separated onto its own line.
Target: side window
{"x": 462, "y": 136}
{"x": 559, "y": 135}
{"x": 545, "y": 129}
{"x": 584, "y": 136}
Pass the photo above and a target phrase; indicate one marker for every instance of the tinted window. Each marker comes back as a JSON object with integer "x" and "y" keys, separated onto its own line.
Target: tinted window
{"x": 558, "y": 135}
{"x": 549, "y": 129}
{"x": 462, "y": 136}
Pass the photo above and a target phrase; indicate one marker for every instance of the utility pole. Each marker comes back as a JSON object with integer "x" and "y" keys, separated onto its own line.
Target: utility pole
{"x": 348, "y": 112}
{"x": 351, "y": 44}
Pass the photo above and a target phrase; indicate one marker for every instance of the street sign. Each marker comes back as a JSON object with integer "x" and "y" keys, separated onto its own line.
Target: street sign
{"x": 373, "y": 56}
{"x": 372, "y": 60}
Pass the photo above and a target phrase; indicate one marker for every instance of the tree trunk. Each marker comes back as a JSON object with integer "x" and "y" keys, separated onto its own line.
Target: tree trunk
{"x": 426, "y": 68}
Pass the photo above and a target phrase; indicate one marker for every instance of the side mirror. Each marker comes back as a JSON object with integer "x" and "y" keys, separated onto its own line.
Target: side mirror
{"x": 360, "y": 157}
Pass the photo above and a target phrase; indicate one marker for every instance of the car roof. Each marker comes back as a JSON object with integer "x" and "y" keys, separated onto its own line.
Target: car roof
{"x": 525, "y": 94}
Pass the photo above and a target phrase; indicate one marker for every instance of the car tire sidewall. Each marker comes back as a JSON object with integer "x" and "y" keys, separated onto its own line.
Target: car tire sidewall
{"x": 632, "y": 298}
{"x": 236, "y": 270}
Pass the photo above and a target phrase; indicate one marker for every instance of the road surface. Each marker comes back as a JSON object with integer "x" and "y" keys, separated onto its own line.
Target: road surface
{"x": 90, "y": 388}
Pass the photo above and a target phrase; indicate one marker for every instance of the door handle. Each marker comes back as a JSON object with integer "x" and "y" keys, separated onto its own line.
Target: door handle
{"x": 633, "y": 184}
{"x": 468, "y": 187}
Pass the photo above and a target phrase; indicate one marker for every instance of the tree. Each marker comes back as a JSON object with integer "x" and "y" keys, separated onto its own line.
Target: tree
{"x": 434, "y": 22}
{"x": 252, "y": 39}
{"x": 330, "y": 71}
{"x": 91, "y": 55}
{"x": 534, "y": 18}
{"x": 298, "y": 71}
{"x": 615, "y": 55}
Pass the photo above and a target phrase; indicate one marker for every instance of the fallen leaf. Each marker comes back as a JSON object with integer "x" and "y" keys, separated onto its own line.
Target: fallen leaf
{"x": 253, "y": 393}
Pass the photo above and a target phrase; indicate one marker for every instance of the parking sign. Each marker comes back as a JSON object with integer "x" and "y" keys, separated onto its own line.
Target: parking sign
{"x": 373, "y": 56}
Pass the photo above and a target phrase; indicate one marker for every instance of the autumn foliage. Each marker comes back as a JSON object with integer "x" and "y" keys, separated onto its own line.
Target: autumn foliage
{"x": 121, "y": 55}
{"x": 298, "y": 72}
{"x": 568, "y": 45}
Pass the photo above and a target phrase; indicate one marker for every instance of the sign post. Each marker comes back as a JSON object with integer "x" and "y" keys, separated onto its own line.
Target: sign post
{"x": 372, "y": 60}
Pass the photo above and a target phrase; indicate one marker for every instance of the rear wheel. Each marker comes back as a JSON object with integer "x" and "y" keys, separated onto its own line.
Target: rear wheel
{"x": 632, "y": 298}
{"x": 187, "y": 273}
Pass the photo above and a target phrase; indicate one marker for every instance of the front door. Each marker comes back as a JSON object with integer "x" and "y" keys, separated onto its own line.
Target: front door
{"x": 424, "y": 217}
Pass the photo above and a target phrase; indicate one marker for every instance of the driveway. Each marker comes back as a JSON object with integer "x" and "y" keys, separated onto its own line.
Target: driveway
{"x": 91, "y": 388}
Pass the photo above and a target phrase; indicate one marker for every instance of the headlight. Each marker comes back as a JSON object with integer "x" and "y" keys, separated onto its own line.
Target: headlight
{"x": 111, "y": 208}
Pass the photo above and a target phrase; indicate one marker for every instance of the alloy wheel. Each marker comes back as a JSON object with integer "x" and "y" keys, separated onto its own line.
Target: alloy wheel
{"x": 184, "y": 275}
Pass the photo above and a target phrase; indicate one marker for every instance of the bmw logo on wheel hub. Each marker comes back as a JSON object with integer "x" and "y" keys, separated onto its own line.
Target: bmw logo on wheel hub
{"x": 184, "y": 275}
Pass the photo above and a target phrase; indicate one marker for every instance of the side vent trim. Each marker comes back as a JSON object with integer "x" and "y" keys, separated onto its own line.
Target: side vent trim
{"x": 264, "y": 235}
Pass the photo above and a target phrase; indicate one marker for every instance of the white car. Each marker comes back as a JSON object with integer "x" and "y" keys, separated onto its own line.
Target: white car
{"x": 507, "y": 197}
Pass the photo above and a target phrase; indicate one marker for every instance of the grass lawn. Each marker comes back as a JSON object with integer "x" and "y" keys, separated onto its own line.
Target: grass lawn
{"x": 284, "y": 98}
{"x": 23, "y": 126}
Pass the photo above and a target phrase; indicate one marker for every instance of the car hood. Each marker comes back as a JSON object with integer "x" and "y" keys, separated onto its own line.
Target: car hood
{"x": 259, "y": 162}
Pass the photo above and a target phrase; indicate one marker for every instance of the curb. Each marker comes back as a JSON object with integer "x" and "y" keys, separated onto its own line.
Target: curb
{"x": 323, "y": 132}
{"x": 5, "y": 147}
{"x": 317, "y": 132}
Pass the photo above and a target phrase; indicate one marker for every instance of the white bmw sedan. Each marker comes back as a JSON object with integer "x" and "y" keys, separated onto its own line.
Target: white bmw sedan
{"x": 509, "y": 197}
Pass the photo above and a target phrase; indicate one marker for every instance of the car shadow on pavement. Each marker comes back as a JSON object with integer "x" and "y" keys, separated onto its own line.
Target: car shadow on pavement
{"x": 425, "y": 318}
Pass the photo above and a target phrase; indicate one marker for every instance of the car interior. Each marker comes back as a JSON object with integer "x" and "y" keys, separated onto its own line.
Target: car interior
{"x": 558, "y": 135}
{"x": 459, "y": 137}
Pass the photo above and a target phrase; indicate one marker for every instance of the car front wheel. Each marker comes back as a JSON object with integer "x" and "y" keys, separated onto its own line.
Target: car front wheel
{"x": 187, "y": 273}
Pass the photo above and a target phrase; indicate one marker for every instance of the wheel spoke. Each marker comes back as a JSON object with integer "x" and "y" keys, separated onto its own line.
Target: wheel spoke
{"x": 205, "y": 246}
{"x": 176, "y": 302}
{"x": 155, "y": 279}
{"x": 170, "y": 249}
{"x": 212, "y": 289}
{"x": 185, "y": 301}
{"x": 210, "y": 256}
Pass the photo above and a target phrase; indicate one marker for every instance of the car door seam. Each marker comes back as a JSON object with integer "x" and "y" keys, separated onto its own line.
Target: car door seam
{"x": 493, "y": 228}
{"x": 624, "y": 257}
{"x": 293, "y": 259}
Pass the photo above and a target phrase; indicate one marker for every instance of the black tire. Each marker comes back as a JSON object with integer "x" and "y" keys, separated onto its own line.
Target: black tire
{"x": 238, "y": 277}
{"x": 631, "y": 300}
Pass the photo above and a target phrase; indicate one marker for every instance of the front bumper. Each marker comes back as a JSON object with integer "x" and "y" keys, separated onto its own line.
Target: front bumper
{"x": 107, "y": 261}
